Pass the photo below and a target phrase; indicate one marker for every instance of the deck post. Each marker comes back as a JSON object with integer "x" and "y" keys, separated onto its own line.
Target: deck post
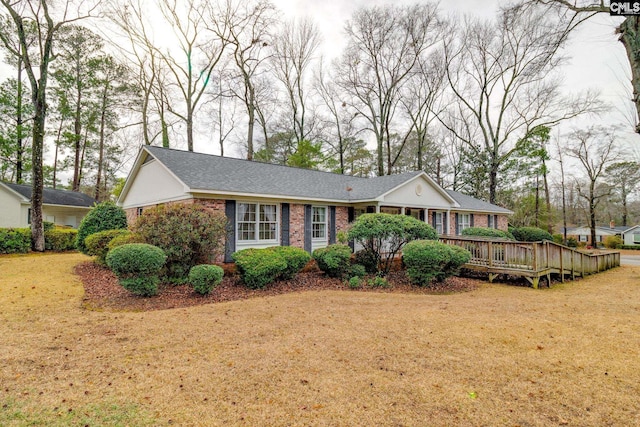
{"x": 490, "y": 253}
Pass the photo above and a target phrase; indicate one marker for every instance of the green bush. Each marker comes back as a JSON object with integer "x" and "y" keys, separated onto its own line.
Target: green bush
{"x": 48, "y": 225}
{"x": 378, "y": 282}
{"x": 136, "y": 259}
{"x": 487, "y": 232}
{"x": 355, "y": 282}
{"x": 98, "y": 243}
{"x": 613, "y": 242}
{"x": 60, "y": 239}
{"x": 103, "y": 216}
{"x": 357, "y": 270}
{"x": 15, "y": 240}
{"x": 558, "y": 238}
{"x": 368, "y": 259}
{"x": 430, "y": 260}
{"x": 259, "y": 267}
{"x": 384, "y": 235}
{"x": 145, "y": 286}
{"x": 572, "y": 242}
{"x": 334, "y": 260}
{"x": 632, "y": 247}
{"x": 189, "y": 234}
{"x": 204, "y": 278}
{"x": 530, "y": 234}
{"x": 122, "y": 239}
{"x": 295, "y": 258}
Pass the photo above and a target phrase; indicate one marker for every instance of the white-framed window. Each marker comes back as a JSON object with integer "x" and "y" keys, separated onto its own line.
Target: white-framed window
{"x": 139, "y": 211}
{"x": 257, "y": 222}
{"x": 582, "y": 238}
{"x": 464, "y": 221}
{"x": 636, "y": 238}
{"x": 439, "y": 222}
{"x": 319, "y": 222}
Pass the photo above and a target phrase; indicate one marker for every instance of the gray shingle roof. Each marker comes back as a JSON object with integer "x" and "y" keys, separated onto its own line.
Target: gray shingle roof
{"x": 208, "y": 172}
{"x": 54, "y": 197}
{"x": 477, "y": 205}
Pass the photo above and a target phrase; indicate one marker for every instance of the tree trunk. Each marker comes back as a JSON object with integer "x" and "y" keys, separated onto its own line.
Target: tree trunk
{"x": 103, "y": 113}
{"x": 630, "y": 38}
{"x": 547, "y": 196}
{"x": 55, "y": 157}
{"x": 77, "y": 129}
{"x": 189, "y": 128}
{"x": 252, "y": 111}
{"x": 19, "y": 148}
{"x": 37, "y": 228}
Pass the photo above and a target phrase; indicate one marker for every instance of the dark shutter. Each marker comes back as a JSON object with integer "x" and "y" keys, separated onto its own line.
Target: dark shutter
{"x": 371, "y": 209}
{"x": 433, "y": 221}
{"x": 471, "y": 220}
{"x": 351, "y": 214}
{"x": 284, "y": 225}
{"x": 489, "y": 223}
{"x": 230, "y": 241}
{"x": 457, "y": 225}
{"x": 445, "y": 223}
{"x": 495, "y": 221}
{"x": 307, "y": 228}
{"x": 332, "y": 225}
{"x": 422, "y": 215}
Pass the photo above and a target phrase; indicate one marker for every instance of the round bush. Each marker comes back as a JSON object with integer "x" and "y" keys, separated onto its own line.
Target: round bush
{"x": 136, "y": 259}
{"x": 125, "y": 237}
{"x": 259, "y": 267}
{"x": 204, "y": 278}
{"x": 357, "y": 270}
{"x": 296, "y": 259}
{"x": 613, "y": 242}
{"x": 103, "y": 216}
{"x": 368, "y": 260}
{"x": 355, "y": 282}
{"x": 530, "y": 234}
{"x": 487, "y": 232}
{"x": 145, "y": 286}
{"x": 98, "y": 243}
{"x": 428, "y": 260}
{"x": 334, "y": 260}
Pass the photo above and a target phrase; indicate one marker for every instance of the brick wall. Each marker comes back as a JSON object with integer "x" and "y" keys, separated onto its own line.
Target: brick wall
{"x": 503, "y": 222}
{"x": 342, "y": 219}
{"x": 296, "y": 225}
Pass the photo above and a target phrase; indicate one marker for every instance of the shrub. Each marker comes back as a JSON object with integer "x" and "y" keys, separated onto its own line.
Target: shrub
{"x": 137, "y": 266}
{"x": 368, "y": 259}
{"x": 357, "y": 270}
{"x": 60, "y": 239}
{"x": 188, "y": 234}
{"x": 428, "y": 260}
{"x": 613, "y": 242}
{"x": 205, "y": 277}
{"x": 378, "y": 282}
{"x": 295, "y": 258}
{"x": 558, "y": 238}
{"x": 98, "y": 243}
{"x": 632, "y": 247}
{"x": 386, "y": 234}
{"x": 103, "y": 216}
{"x": 572, "y": 242}
{"x": 530, "y": 234}
{"x": 355, "y": 282}
{"x": 125, "y": 237}
{"x": 48, "y": 225}
{"x": 259, "y": 267}
{"x": 15, "y": 240}
{"x": 334, "y": 260}
{"x": 487, "y": 232}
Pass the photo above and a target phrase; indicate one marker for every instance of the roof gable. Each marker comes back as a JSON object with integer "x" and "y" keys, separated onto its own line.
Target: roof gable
{"x": 52, "y": 196}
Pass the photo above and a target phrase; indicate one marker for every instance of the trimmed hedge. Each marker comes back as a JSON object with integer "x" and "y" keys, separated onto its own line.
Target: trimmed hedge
{"x": 632, "y": 247}
{"x": 98, "y": 243}
{"x": 60, "y": 239}
{"x": 334, "y": 260}
{"x": 204, "y": 278}
{"x": 295, "y": 258}
{"x": 530, "y": 234}
{"x": 137, "y": 266}
{"x": 259, "y": 267}
{"x": 487, "y": 232}
{"x": 124, "y": 238}
{"x": 15, "y": 240}
{"x": 103, "y": 216}
{"x": 428, "y": 260}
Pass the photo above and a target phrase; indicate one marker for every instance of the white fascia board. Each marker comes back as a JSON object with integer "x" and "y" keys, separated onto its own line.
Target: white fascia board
{"x": 196, "y": 192}
{"x": 159, "y": 202}
{"x": 431, "y": 182}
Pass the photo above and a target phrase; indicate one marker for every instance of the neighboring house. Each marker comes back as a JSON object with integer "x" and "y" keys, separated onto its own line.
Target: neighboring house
{"x": 630, "y": 235}
{"x": 61, "y": 207}
{"x": 271, "y": 205}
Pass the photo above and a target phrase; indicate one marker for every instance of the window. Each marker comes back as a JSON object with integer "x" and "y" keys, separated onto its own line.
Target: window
{"x": 438, "y": 222}
{"x": 29, "y": 216}
{"x": 464, "y": 221}
{"x": 636, "y": 238}
{"x": 490, "y": 223}
{"x": 256, "y": 222}
{"x": 139, "y": 211}
{"x": 582, "y": 238}
{"x": 319, "y": 222}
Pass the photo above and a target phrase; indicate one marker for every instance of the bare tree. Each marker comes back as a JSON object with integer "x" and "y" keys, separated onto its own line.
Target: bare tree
{"x": 595, "y": 149}
{"x": 504, "y": 81}
{"x": 384, "y": 45}
{"x": 624, "y": 178}
{"x": 294, "y": 49}
{"x": 48, "y": 24}
{"x": 246, "y": 27}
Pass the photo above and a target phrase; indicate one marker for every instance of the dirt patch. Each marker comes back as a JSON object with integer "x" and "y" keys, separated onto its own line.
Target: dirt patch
{"x": 102, "y": 291}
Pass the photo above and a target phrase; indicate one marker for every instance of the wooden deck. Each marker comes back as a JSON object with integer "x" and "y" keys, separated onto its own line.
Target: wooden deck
{"x": 531, "y": 260}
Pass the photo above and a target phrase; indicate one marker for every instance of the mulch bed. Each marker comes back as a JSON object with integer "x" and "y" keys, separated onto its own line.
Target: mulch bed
{"x": 102, "y": 291}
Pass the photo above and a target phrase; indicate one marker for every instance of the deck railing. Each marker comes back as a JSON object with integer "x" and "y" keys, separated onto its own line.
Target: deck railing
{"x": 531, "y": 259}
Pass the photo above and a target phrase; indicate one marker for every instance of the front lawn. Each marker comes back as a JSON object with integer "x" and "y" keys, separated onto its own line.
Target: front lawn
{"x": 497, "y": 355}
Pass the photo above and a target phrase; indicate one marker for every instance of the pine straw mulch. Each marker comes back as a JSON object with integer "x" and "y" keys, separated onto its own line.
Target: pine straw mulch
{"x": 102, "y": 291}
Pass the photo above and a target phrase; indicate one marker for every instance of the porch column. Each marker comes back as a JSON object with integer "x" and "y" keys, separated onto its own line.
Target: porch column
{"x": 403, "y": 211}
{"x": 378, "y": 208}
{"x": 447, "y": 231}
{"x": 426, "y": 215}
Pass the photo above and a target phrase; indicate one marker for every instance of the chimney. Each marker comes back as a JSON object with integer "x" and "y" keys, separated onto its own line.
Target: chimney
{"x": 612, "y": 224}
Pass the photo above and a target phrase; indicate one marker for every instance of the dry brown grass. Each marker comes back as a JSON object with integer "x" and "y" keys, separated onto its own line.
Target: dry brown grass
{"x": 500, "y": 355}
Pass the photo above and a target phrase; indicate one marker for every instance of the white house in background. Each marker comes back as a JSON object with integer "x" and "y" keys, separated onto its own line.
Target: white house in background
{"x": 630, "y": 235}
{"x": 269, "y": 205}
{"x": 62, "y": 207}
